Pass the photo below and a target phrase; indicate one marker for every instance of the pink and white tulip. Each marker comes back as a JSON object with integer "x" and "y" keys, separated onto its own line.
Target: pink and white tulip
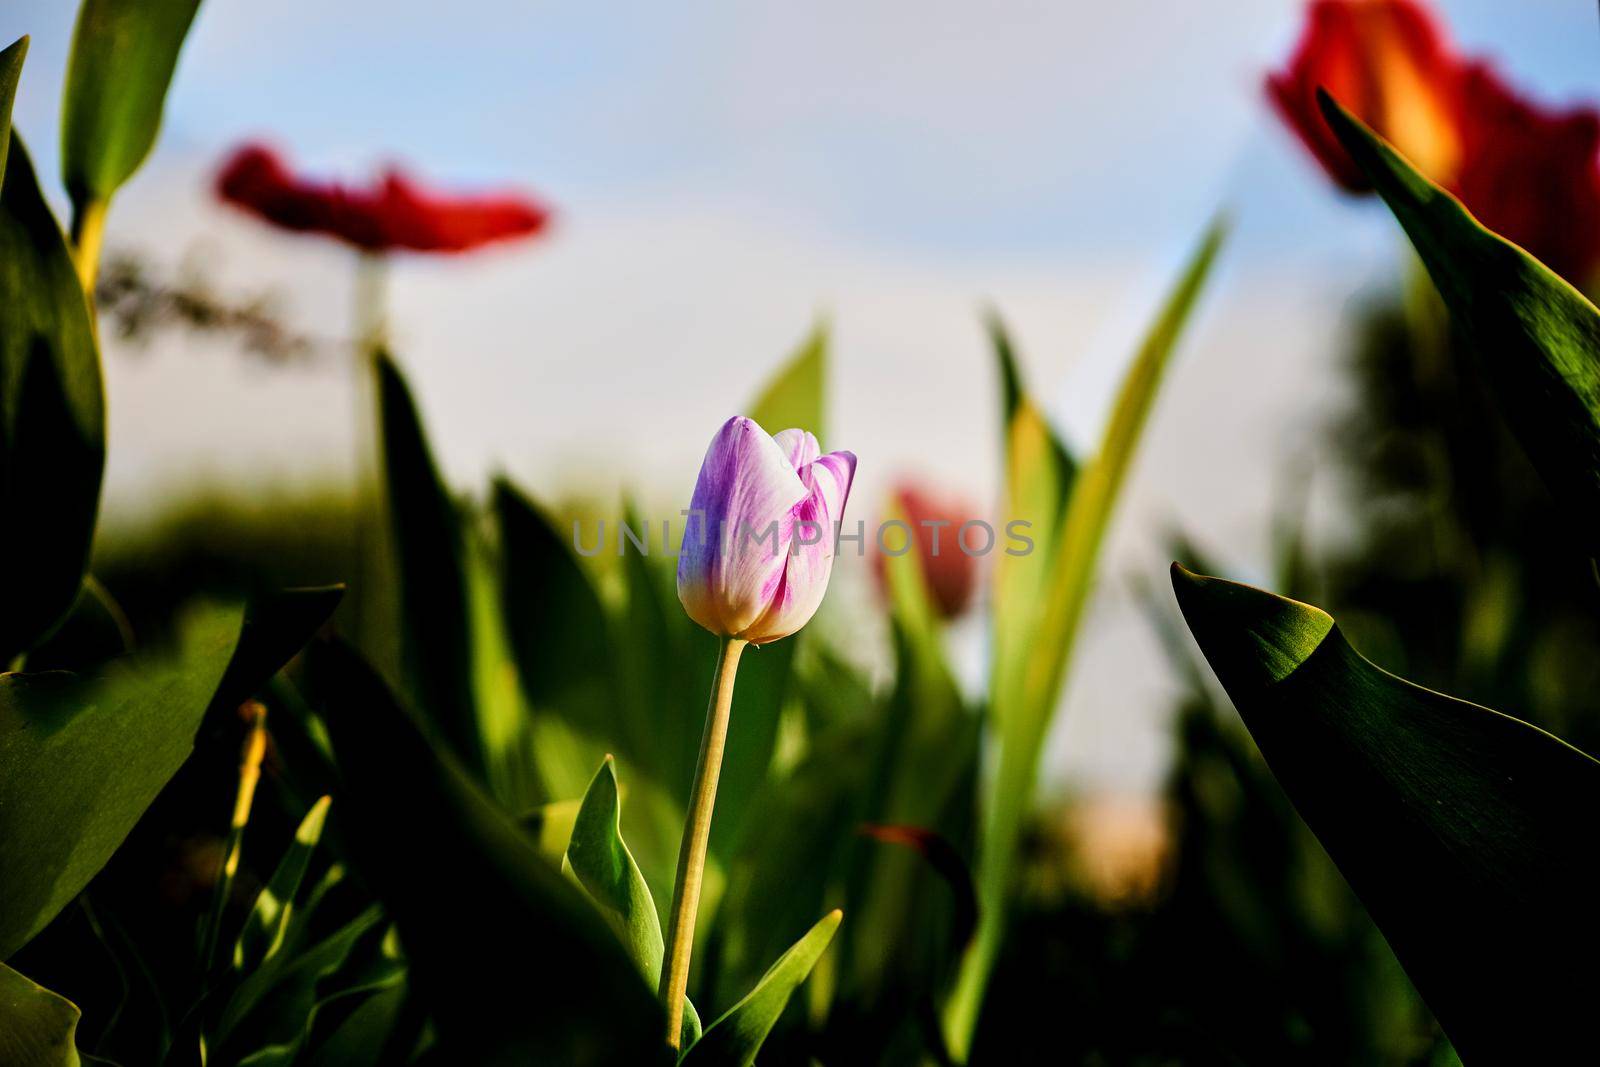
{"x": 759, "y": 544}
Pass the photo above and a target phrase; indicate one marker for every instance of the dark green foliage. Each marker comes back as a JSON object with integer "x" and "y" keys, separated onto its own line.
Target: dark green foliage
{"x": 52, "y": 418}
{"x": 433, "y": 846}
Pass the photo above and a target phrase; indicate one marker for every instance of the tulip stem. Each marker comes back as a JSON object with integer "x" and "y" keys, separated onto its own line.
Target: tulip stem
{"x": 696, "y": 838}
{"x": 88, "y": 233}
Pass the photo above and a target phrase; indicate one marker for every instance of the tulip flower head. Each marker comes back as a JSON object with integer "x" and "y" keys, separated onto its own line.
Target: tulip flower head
{"x": 395, "y": 214}
{"x": 1527, "y": 172}
{"x": 759, "y": 543}
{"x": 1387, "y": 61}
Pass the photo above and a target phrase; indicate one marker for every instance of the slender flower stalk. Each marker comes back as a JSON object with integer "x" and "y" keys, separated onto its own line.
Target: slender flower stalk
{"x": 696, "y": 838}
{"x": 753, "y": 568}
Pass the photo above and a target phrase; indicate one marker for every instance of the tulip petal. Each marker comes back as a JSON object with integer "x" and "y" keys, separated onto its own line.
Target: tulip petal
{"x": 811, "y": 547}
{"x": 799, "y": 445}
{"x": 736, "y": 541}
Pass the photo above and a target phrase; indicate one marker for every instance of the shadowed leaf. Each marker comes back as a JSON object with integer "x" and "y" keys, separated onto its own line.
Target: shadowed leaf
{"x": 276, "y": 627}
{"x": 38, "y": 1028}
{"x": 52, "y": 418}
{"x": 436, "y": 628}
{"x": 1464, "y": 831}
{"x": 81, "y": 758}
{"x": 432, "y": 845}
{"x": 268, "y": 921}
{"x": 1536, "y": 337}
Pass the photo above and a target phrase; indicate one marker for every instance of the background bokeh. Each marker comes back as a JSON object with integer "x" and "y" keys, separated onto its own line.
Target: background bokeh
{"x": 725, "y": 173}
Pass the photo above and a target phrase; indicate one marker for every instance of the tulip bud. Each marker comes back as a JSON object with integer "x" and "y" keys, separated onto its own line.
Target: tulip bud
{"x": 1389, "y": 63}
{"x": 759, "y": 543}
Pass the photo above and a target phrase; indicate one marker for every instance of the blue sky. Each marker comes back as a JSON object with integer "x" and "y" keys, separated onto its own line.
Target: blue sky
{"x": 966, "y": 128}
{"x": 725, "y": 172}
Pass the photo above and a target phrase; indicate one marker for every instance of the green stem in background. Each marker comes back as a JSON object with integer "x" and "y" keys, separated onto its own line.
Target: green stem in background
{"x": 696, "y": 838}
{"x": 88, "y": 235}
{"x": 371, "y": 303}
{"x": 371, "y": 605}
{"x": 250, "y": 757}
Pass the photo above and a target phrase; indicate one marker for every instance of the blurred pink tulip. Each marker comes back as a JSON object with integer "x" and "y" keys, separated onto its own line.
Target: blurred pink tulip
{"x": 950, "y": 572}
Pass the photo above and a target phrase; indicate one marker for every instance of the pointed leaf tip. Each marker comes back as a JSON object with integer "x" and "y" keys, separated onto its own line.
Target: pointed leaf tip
{"x": 1251, "y": 638}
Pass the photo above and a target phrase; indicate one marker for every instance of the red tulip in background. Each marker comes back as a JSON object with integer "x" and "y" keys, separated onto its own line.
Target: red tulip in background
{"x": 1533, "y": 176}
{"x": 952, "y": 575}
{"x": 1529, "y": 173}
{"x": 395, "y": 214}
{"x": 1387, "y": 61}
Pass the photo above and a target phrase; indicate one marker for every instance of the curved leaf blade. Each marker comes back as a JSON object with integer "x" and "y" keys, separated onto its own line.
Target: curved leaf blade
{"x": 38, "y": 1028}
{"x": 11, "y": 58}
{"x": 432, "y": 845}
{"x": 277, "y": 625}
{"x": 82, "y": 756}
{"x": 605, "y": 867}
{"x": 1536, "y": 337}
{"x": 1035, "y": 633}
{"x": 556, "y": 629}
{"x": 1464, "y": 831}
{"x": 52, "y": 415}
{"x": 430, "y": 553}
{"x": 264, "y": 928}
{"x": 123, "y": 56}
{"x": 796, "y": 394}
{"x": 735, "y": 1038}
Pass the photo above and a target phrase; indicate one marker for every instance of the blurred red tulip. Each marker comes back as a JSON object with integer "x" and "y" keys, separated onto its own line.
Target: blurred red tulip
{"x": 951, "y": 574}
{"x": 1532, "y": 174}
{"x": 1389, "y": 63}
{"x": 394, "y": 215}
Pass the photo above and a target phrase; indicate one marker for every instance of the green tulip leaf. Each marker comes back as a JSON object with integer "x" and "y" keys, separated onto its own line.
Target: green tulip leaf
{"x": 83, "y": 755}
{"x": 925, "y": 753}
{"x": 270, "y": 1012}
{"x": 1040, "y": 599}
{"x": 735, "y": 1038}
{"x": 557, "y": 630}
{"x": 1535, "y": 336}
{"x": 38, "y": 1028}
{"x": 123, "y": 56}
{"x": 550, "y": 826}
{"x": 1463, "y": 830}
{"x": 660, "y": 653}
{"x": 430, "y": 555}
{"x": 511, "y": 764}
{"x": 11, "y": 58}
{"x": 359, "y": 1039}
{"x": 277, "y": 626}
{"x": 94, "y": 631}
{"x": 605, "y": 867}
{"x": 432, "y": 845}
{"x": 52, "y": 416}
{"x": 264, "y": 928}
{"x": 796, "y": 396}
